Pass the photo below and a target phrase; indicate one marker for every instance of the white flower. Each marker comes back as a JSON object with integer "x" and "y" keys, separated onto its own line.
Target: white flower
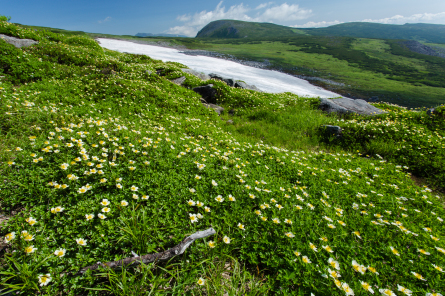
{"x": 44, "y": 279}
{"x": 81, "y": 241}
{"x": 219, "y": 198}
{"x": 105, "y": 202}
{"x": 60, "y": 252}
{"x": 134, "y": 188}
{"x": 214, "y": 183}
{"x": 9, "y": 237}
{"x": 191, "y": 203}
{"x": 241, "y": 226}
{"x": 404, "y": 290}
{"x": 226, "y": 239}
{"x": 102, "y": 216}
{"x": 193, "y": 218}
{"x": 201, "y": 281}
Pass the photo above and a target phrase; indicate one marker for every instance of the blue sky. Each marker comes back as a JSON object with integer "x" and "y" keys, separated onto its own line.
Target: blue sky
{"x": 188, "y": 17}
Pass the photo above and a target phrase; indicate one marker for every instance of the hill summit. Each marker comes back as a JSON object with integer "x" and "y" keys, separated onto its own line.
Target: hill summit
{"x": 240, "y": 29}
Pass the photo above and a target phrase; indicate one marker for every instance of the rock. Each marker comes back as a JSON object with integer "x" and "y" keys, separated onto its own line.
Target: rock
{"x": 431, "y": 111}
{"x": 179, "y": 80}
{"x": 217, "y": 108}
{"x": 230, "y": 121}
{"x": 203, "y": 101}
{"x": 207, "y": 92}
{"x": 231, "y": 112}
{"x": 333, "y": 130}
{"x": 201, "y": 76}
{"x": 243, "y": 85}
{"x": 148, "y": 72}
{"x": 229, "y": 81}
{"x": 346, "y": 105}
{"x": 17, "y": 42}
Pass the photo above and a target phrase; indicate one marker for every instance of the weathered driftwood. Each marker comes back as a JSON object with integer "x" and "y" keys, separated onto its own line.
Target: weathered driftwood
{"x": 167, "y": 254}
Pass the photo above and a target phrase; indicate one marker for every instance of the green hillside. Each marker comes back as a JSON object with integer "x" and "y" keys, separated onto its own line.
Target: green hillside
{"x": 240, "y": 29}
{"x": 102, "y": 158}
{"x": 421, "y": 32}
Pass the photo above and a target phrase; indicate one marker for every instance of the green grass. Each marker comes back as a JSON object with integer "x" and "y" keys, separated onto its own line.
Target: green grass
{"x": 79, "y": 125}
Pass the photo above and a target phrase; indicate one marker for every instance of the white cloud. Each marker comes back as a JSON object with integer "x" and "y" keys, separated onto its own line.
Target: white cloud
{"x": 278, "y": 13}
{"x": 283, "y": 13}
{"x": 318, "y": 24}
{"x": 438, "y": 18}
{"x": 433, "y": 18}
{"x": 263, "y": 5}
{"x": 107, "y": 19}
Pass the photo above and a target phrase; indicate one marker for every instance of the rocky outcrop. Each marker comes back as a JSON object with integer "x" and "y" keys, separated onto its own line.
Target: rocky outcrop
{"x": 179, "y": 80}
{"x": 346, "y": 105}
{"x": 207, "y": 92}
{"x": 17, "y": 42}
{"x": 422, "y": 49}
{"x": 229, "y": 81}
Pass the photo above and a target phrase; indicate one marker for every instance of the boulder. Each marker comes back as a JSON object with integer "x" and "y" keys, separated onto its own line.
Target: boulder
{"x": 17, "y": 42}
{"x": 243, "y": 85}
{"x": 346, "y": 105}
{"x": 201, "y": 76}
{"x": 229, "y": 81}
{"x": 431, "y": 111}
{"x": 207, "y": 92}
{"x": 179, "y": 80}
{"x": 218, "y": 109}
{"x": 333, "y": 130}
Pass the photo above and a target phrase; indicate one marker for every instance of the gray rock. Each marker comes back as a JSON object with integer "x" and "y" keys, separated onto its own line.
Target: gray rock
{"x": 243, "y": 85}
{"x": 217, "y": 108}
{"x": 179, "y": 80}
{"x": 148, "y": 72}
{"x": 17, "y": 42}
{"x": 207, "y": 92}
{"x": 229, "y": 81}
{"x": 346, "y": 105}
{"x": 200, "y": 75}
{"x": 431, "y": 111}
{"x": 230, "y": 121}
{"x": 240, "y": 84}
{"x": 333, "y": 130}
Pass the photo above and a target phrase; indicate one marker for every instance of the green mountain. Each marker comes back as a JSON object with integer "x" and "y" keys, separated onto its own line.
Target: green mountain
{"x": 238, "y": 29}
{"x": 420, "y": 32}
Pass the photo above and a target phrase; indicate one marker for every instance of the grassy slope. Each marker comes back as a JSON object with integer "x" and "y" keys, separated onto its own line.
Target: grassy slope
{"x": 421, "y": 32}
{"x": 71, "y": 109}
{"x": 239, "y": 29}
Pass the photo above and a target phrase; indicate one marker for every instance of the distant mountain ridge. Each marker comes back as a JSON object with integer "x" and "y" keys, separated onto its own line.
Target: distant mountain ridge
{"x": 430, "y": 33}
{"x": 158, "y": 35}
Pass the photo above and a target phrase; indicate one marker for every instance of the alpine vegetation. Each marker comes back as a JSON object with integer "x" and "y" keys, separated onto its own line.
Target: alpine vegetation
{"x": 103, "y": 158}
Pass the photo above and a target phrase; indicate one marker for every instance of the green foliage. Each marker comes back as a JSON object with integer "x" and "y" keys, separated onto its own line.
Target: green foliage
{"x": 241, "y": 29}
{"x": 100, "y": 150}
{"x": 421, "y": 32}
{"x": 5, "y": 18}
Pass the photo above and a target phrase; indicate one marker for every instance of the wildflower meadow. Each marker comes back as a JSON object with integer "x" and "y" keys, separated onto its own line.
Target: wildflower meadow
{"x": 101, "y": 159}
